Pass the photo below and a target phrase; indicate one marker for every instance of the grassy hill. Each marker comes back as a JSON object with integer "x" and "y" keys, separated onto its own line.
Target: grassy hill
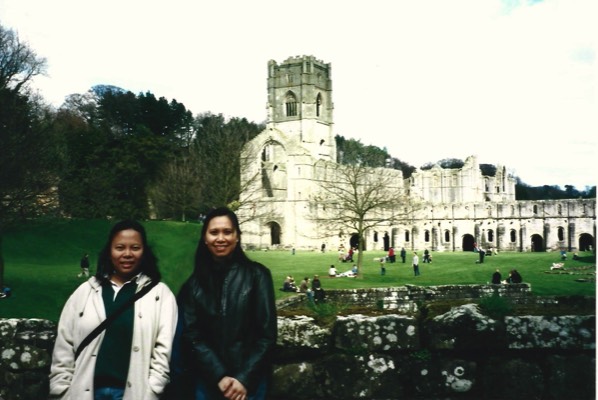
{"x": 42, "y": 263}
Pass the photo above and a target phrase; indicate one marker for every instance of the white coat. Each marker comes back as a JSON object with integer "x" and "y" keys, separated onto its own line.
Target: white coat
{"x": 154, "y": 327}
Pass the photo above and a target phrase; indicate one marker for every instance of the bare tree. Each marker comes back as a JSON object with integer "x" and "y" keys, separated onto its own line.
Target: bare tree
{"x": 356, "y": 198}
{"x": 18, "y": 62}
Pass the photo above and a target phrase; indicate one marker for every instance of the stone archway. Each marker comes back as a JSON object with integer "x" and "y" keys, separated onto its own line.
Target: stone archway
{"x": 354, "y": 241}
{"x": 537, "y": 243}
{"x": 467, "y": 242}
{"x": 586, "y": 242}
{"x": 274, "y": 233}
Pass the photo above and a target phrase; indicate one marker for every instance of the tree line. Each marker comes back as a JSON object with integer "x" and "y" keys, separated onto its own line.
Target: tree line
{"x": 110, "y": 152}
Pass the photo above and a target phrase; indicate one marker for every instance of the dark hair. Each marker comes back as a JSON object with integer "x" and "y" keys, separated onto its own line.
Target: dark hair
{"x": 148, "y": 264}
{"x": 203, "y": 257}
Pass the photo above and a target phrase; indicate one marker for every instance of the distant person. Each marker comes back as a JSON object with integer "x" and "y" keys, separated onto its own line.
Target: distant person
{"x": 403, "y": 254}
{"x": 332, "y": 272}
{"x": 481, "y": 253}
{"x": 426, "y": 256}
{"x": 391, "y": 255}
{"x": 84, "y": 265}
{"x": 496, "y": 277}
{"x": 575, "y": 256}
{"x": 304, "y": 287}
{"x": 318, "y": 291}
{"x": 415, "y": 263}
{"x": 514, "y": 277}
{"x": 323, "y": 248}
{"x": 563, "y": 254}
{"x": 350, "y": 254}
{"x": 354, "y": 269}
{"x": 342, "y": 257}
{"x": 382, "y": 266}
{"x": 289, "y": 285}
{"x": 130, "y": 358}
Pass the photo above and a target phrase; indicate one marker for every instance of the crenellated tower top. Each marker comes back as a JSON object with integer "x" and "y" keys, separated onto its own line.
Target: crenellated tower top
{"x": 300, "y": 103}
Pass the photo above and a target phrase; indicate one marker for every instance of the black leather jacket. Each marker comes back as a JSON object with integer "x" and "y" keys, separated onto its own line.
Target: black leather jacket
{"x": 229, "y": 323}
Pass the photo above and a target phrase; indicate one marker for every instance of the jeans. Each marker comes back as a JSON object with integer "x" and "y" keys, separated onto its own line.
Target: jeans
{"x": 202, "y": 393}
{"x": 108, "y": 393}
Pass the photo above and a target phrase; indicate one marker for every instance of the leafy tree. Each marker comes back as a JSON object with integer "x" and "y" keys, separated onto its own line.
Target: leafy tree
{"x": 117, "y": 145}
{"x": 28, "y": 153}
{"x": 217, "y": 149}
{"x": 406, "y": 168}
{"x": 524, "y": 191}
{"x": 351, "y": 151}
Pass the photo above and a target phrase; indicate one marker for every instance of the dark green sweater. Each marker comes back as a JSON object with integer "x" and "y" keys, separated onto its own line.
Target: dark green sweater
{"x": 112, "y": 364}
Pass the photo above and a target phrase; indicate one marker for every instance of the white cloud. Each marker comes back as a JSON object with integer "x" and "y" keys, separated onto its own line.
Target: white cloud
{"x": 512, "y": 82}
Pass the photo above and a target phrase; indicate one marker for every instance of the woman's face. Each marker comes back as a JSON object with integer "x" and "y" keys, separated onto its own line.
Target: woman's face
{"x": 125, "y": 252}
{"x": 221, "y": 237}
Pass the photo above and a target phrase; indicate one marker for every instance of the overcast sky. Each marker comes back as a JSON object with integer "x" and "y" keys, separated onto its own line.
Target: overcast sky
{"x": 513, "y": 82}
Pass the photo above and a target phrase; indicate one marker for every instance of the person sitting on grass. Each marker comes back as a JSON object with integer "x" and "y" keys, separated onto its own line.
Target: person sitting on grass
{"x": 514, "y": 277}
{"x": 289, "y": 285}
{"x": 332, "y": 271}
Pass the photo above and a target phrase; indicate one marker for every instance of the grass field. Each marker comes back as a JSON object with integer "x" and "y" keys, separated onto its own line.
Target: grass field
{"x": 42, "y": 263}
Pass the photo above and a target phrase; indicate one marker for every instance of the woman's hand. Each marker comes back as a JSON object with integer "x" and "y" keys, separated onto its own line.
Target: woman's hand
{"x": 232, "y": 389}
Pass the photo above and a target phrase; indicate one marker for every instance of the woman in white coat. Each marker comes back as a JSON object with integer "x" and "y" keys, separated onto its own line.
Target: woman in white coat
{"x": 130, "y": 358}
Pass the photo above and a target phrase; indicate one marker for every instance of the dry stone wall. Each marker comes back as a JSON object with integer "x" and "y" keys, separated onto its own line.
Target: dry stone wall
{"x": 459, "y": 354}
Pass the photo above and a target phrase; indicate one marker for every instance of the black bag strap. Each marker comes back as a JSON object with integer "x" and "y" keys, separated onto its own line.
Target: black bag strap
{"x": 93, "y": 334}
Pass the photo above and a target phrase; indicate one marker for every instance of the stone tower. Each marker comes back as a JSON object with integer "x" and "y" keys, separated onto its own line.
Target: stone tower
{"x": 300, "y": 103}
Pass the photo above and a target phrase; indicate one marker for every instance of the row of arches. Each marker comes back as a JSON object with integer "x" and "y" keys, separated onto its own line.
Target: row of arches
{"x": 537, "y": 242}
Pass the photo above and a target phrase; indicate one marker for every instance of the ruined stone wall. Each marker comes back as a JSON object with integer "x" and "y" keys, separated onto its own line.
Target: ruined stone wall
{"x": 401, "y": 354}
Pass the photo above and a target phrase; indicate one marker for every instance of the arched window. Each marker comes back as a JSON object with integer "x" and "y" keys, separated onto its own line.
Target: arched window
{"x": 406, "y": 236}
{"x": 427, "y": 236}
{"x": 513, "y": 236}
{"x": 535, "y": 209}
{"x": 561, "y": 233}
{"x": 318, "y": 104}
{"x": 447, "y": 236}
{"x": 559, "y": 209}
{"x": 490, "y": 235}
{"x": 291, "y": 104}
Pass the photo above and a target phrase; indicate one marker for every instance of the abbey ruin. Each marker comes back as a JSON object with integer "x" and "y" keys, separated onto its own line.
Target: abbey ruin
{"x": 287, "y": 168}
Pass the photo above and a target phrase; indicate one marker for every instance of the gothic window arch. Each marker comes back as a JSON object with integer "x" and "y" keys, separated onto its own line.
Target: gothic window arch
{"x": 561, "y": 233}
{"x": 406, "y": 236}
{"x": 513, "y": 236}
{"x": 559, "y": 209}
{"x": 535, "y": 209}
{"x": 318, "y": 104}
{"x": 490, "y": 235}
{"x": 427, "y": 236}
{"x": 447, "y": 236}
{"x": 291, "y": 104}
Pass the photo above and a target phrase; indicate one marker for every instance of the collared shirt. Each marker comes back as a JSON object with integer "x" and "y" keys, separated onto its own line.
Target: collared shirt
{"x": 116, "y": 287}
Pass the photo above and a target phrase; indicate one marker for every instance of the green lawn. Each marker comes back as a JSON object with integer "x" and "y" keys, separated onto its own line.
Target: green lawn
{"x": 42, "y": 263}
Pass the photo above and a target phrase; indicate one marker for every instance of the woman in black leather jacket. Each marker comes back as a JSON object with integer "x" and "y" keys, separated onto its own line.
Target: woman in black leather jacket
{"x": 229, "y": 315}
